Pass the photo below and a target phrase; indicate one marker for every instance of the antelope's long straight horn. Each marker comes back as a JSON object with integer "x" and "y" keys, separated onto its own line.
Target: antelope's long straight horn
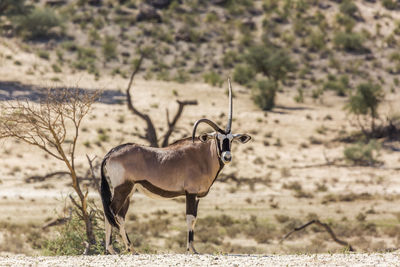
{"x": 212, "y": 124}
{"x": 229, "y": 125}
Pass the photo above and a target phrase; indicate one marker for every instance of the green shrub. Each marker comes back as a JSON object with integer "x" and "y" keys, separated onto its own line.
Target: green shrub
{"x": 350, "y": 42}
{"x": 109, "y": 48}
{"x": 349, "y": 8}
{"x": 366, "y": 100}
{"x": 264, "y": 94}
{"x": 86, "y": 59}
{"x": 299, "y": 98}
{"x": 56, "y": 68}
{"x": 229, "y": 59}
{"x": 271, "y": 61}
{"x": 243, "y": 74}
{"x": 84, "y": 52}
{"x": 43, "y": 54}
{"x": 362, "y": 154}
{"x": 341, "y": 86}
{"x": 13, "y": 7}
{"x": 38, "y": 24}
{"x": 316, "y": 41}
{"x": 71, "y": 239}
{"x": 69, "y": 46}
{"x": 346, "y": 21}
{"x": 213, "y": 78}
{"x": 181, "y": 76}
{"x": 389, "y": 4}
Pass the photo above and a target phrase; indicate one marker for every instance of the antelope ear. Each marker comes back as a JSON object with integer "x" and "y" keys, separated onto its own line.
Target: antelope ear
{"x": 243, "y": 138}
{"x": 203, "y": 137}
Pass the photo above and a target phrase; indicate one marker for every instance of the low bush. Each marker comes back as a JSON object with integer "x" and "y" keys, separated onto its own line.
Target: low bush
{"x": 363, "y": 154}
{"x": 243, "y": 74}
{"x": 365, "y": 102}
{"x": 273, "y": 62}
{"x": 349, "y": 8}
{"x": 264, "y": 94}
{"x": 316, "y": 41}
{"x": 389, "y": 4}
{"x": 70, "y": 239}
{"x": 213, "y": 78}
{"x": 39, "y": 23}
{"x": 109, "y": 48}
{"x": 341, "y": 86}
{"x": 350, "y": 42}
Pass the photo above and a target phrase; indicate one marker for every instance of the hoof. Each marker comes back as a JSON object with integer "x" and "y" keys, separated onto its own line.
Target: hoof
{"x": 192, "y": 251}
{"x": 111, "y": 251}
{"x": 132, "y": 251}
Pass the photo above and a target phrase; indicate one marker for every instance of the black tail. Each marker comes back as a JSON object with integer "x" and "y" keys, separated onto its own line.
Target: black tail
{"x": 106, "y": 196}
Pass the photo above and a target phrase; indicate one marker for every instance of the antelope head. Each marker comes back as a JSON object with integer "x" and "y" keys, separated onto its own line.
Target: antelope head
{"x": 223, "y": 138}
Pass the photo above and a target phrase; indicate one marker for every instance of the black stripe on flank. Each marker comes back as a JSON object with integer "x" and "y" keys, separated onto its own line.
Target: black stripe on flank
{"x": 158, "y": 191}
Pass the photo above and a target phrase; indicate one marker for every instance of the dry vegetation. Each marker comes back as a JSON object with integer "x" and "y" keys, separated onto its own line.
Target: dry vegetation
{"x": 310, "y": 157}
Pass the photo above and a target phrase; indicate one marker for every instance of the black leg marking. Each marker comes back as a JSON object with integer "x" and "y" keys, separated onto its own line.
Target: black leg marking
{"x": 191, "y": 236}
{"x": 191, "y": 213}
{"x": 191, "y": 204}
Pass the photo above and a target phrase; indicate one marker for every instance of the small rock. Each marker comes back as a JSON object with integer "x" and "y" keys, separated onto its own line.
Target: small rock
{"x": 219, "y": 2}
{"x": 53, "y": 3}
{"x": 147, "y": 12}
{"x": 94, "y": 2}
{"x": 159, "y": 3}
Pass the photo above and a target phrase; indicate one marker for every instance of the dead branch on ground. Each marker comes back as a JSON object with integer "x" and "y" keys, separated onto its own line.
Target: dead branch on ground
{"x": 41, "y": 178}
{"x": 323, "y": 225}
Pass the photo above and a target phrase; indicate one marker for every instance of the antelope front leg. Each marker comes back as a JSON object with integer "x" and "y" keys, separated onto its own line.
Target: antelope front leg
{"x": 191, "y": 214}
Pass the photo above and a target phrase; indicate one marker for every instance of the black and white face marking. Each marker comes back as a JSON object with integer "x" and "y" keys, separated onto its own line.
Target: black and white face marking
{"x": 224, "y": 142}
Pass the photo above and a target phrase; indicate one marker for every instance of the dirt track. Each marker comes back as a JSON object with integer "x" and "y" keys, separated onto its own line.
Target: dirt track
{"x": 376, "y": 259}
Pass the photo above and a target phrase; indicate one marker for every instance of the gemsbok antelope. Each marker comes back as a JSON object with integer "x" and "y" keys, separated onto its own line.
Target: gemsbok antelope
{"x": 187, "y": 167}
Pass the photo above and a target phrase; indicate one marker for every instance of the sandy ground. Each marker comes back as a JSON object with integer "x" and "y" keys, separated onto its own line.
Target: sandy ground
{"x": 285, "y": 141}
{"x": 376, "y": 259}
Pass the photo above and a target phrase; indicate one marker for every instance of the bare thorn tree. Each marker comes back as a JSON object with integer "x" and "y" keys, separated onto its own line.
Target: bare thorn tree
{"x": 53, "y": 126}
{"x": 151, "y": 133}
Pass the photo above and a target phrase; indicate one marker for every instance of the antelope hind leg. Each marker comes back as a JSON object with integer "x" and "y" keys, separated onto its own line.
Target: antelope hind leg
{"x": 122, "y": 231}
{"x": 109, "y": 247}
{"x": 119, "y": 206}
{"x": 191, "y": 214}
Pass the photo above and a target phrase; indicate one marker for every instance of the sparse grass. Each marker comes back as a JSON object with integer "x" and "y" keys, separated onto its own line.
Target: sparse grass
{"x": 243, "y": 74}
{"x": 350, "y": 197}
{"x": 341, "y": 86}
{"x": 43, "y": 54}
{"x": 213, "y": 78}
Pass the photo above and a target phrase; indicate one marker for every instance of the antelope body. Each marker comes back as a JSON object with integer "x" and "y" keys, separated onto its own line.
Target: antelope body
{"x": 187, "y": 167}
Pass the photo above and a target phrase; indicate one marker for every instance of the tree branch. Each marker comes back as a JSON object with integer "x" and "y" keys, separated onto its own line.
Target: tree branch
{"x": 93, "y": 176}
{"x": 171, "y": 125}
{"x": 151, "y": 134}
